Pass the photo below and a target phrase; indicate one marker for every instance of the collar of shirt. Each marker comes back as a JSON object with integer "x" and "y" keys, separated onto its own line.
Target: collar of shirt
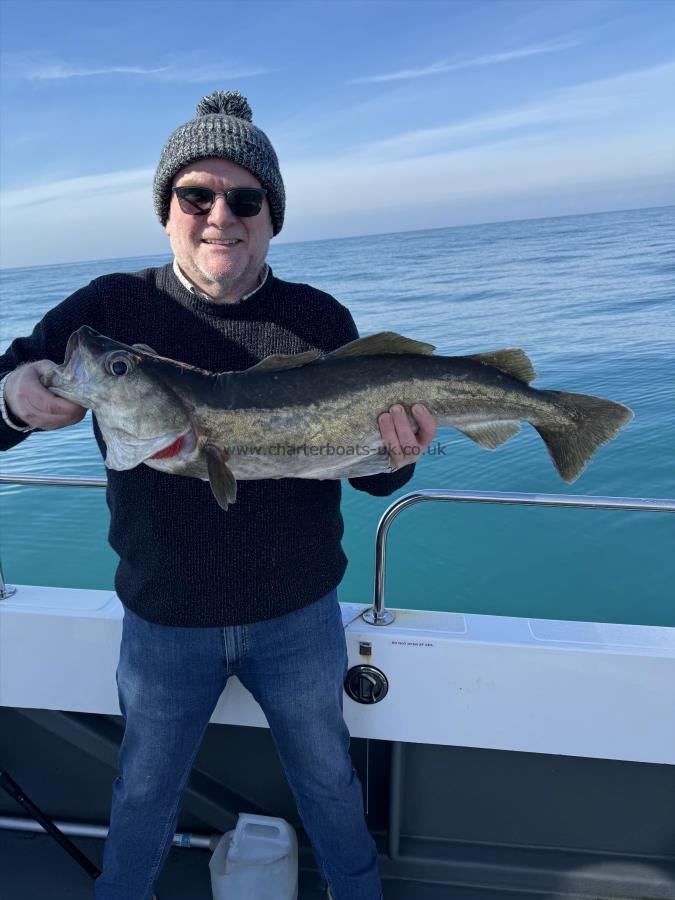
{"x": 193, "y": 290}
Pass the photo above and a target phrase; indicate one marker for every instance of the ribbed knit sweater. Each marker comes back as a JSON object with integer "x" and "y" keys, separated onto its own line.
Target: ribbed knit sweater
{"x": 183, "y": 560}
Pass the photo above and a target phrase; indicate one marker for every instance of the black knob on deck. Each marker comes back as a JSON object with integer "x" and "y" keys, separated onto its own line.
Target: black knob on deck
{"x": 366, "y": 684}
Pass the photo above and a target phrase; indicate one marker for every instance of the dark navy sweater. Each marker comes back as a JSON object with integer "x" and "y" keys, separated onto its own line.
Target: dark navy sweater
{"x": 183, "y": 560}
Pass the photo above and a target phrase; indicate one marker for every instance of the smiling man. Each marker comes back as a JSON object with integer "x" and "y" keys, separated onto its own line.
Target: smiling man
{"x": 220, "y": 252}
{"x": 209, "y": 594}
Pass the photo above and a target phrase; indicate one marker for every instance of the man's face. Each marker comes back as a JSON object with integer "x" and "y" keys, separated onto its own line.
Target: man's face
{"x": 222, "y": 270}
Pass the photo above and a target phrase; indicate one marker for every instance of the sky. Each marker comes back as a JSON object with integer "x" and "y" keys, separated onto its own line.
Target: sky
{"x": 386, "y": 115}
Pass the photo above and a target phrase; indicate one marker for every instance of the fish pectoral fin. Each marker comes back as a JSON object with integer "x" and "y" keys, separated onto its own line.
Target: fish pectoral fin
{"x": 490, "y": 434}
{"x": 382, "y": 342}
{"x": 514, "y": 362}
{"x": 285, "y": 361}
{"x": 222, "y": 481}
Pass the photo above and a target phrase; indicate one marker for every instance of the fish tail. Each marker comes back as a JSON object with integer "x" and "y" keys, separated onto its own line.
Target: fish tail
{"x": 594, "y": 422}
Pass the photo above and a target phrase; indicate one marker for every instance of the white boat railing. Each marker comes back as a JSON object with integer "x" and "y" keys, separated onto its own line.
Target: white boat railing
{"x": 378, "y": 615}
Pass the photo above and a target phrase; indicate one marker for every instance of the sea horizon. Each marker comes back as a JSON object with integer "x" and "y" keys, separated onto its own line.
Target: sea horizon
{"x": 354, "y": 237}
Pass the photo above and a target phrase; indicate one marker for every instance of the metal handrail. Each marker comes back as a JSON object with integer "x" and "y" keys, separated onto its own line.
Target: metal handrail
{"x": 378, "y": 615}
{"x": 7, "y": 590}
{"x": 55, "y": 480}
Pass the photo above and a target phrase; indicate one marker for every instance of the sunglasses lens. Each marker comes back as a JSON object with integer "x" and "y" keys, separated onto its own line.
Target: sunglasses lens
{"x": 195, "y": 199}
{"x": 245, "y": 202}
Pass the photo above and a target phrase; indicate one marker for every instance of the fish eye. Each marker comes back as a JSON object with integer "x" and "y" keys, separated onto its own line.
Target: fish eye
{"x": 118, "y": 364}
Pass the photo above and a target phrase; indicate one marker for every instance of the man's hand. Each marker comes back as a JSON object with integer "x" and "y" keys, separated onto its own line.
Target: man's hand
{"x": 27, "y": 399}
{"x": 404, "y": 445}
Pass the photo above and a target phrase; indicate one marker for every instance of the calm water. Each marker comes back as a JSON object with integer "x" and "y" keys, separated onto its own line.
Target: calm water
{"x": 589, "y": 298}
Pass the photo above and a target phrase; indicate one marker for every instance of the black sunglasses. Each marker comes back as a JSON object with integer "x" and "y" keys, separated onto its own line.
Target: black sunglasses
{"x": 243, "y": 201}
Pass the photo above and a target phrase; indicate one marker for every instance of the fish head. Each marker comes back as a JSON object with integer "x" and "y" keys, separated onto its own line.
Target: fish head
{"x": 137, "y": 412}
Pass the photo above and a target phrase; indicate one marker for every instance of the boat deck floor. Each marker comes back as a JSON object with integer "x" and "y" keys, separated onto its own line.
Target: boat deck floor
{"x": 34, "y": 867}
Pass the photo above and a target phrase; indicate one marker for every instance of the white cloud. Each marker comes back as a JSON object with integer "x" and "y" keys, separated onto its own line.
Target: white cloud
{"x": 91, "y": 217}
{"x": 445, "y": 66}
{"x": 85, "y": 188}
{"x": 210, "y": 73}
{"x": 483, "y": 169}
{"x": 632, "y": 96}
{"x": 37, "y": 67}
{"x": 502, "y": 181}
{"x": 57, "y": 71}
{"x": 504, "y": 168}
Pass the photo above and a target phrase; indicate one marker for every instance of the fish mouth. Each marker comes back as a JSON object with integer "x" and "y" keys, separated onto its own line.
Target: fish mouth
{"x": 83, "y": 344}
{"x": 69, "y": 379}
{"x": 73, "y": 364}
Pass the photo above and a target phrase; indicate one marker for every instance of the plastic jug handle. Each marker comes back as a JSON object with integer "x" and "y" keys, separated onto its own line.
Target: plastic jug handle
{"x": 260, "y": 829}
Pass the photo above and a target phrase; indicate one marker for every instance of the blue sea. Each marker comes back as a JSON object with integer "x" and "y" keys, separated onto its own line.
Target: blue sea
{"x": 591, "y": 300}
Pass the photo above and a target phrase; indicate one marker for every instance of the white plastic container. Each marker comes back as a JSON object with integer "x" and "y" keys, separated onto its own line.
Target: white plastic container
{"x": 256, "y": 861}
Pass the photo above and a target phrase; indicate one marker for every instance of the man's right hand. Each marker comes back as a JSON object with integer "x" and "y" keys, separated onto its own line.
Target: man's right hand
{"x": 27, "y": 399}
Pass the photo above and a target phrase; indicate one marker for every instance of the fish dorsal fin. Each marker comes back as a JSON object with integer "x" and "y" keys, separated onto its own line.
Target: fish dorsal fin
{"x": 285, "y": 361}
{"x": 512, "y": 361}
{"x": 382, "y": 342}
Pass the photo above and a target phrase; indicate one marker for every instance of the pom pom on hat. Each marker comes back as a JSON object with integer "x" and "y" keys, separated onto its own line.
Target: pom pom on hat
{"x": 225, "y": 103}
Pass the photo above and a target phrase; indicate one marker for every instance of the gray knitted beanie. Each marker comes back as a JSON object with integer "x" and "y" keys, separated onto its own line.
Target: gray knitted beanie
{"x": 221, "y": 130}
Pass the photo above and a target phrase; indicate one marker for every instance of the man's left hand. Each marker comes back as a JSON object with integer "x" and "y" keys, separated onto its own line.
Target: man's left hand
{"x": 404, "y": 445}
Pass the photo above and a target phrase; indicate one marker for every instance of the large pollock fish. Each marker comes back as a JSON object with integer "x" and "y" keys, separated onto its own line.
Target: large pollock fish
{"x": 311, "y": 415}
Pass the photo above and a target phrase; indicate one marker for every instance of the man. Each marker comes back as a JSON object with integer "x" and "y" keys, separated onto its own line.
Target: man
{"x": 208, "y": 594}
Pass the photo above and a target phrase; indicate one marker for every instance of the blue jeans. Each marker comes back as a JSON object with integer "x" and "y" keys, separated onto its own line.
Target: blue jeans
{"x": 169, "y": 681}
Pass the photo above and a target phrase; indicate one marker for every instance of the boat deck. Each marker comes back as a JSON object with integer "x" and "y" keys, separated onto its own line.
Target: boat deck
{"x": 34, "y": 867}
{"x": 512, "y": 758}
